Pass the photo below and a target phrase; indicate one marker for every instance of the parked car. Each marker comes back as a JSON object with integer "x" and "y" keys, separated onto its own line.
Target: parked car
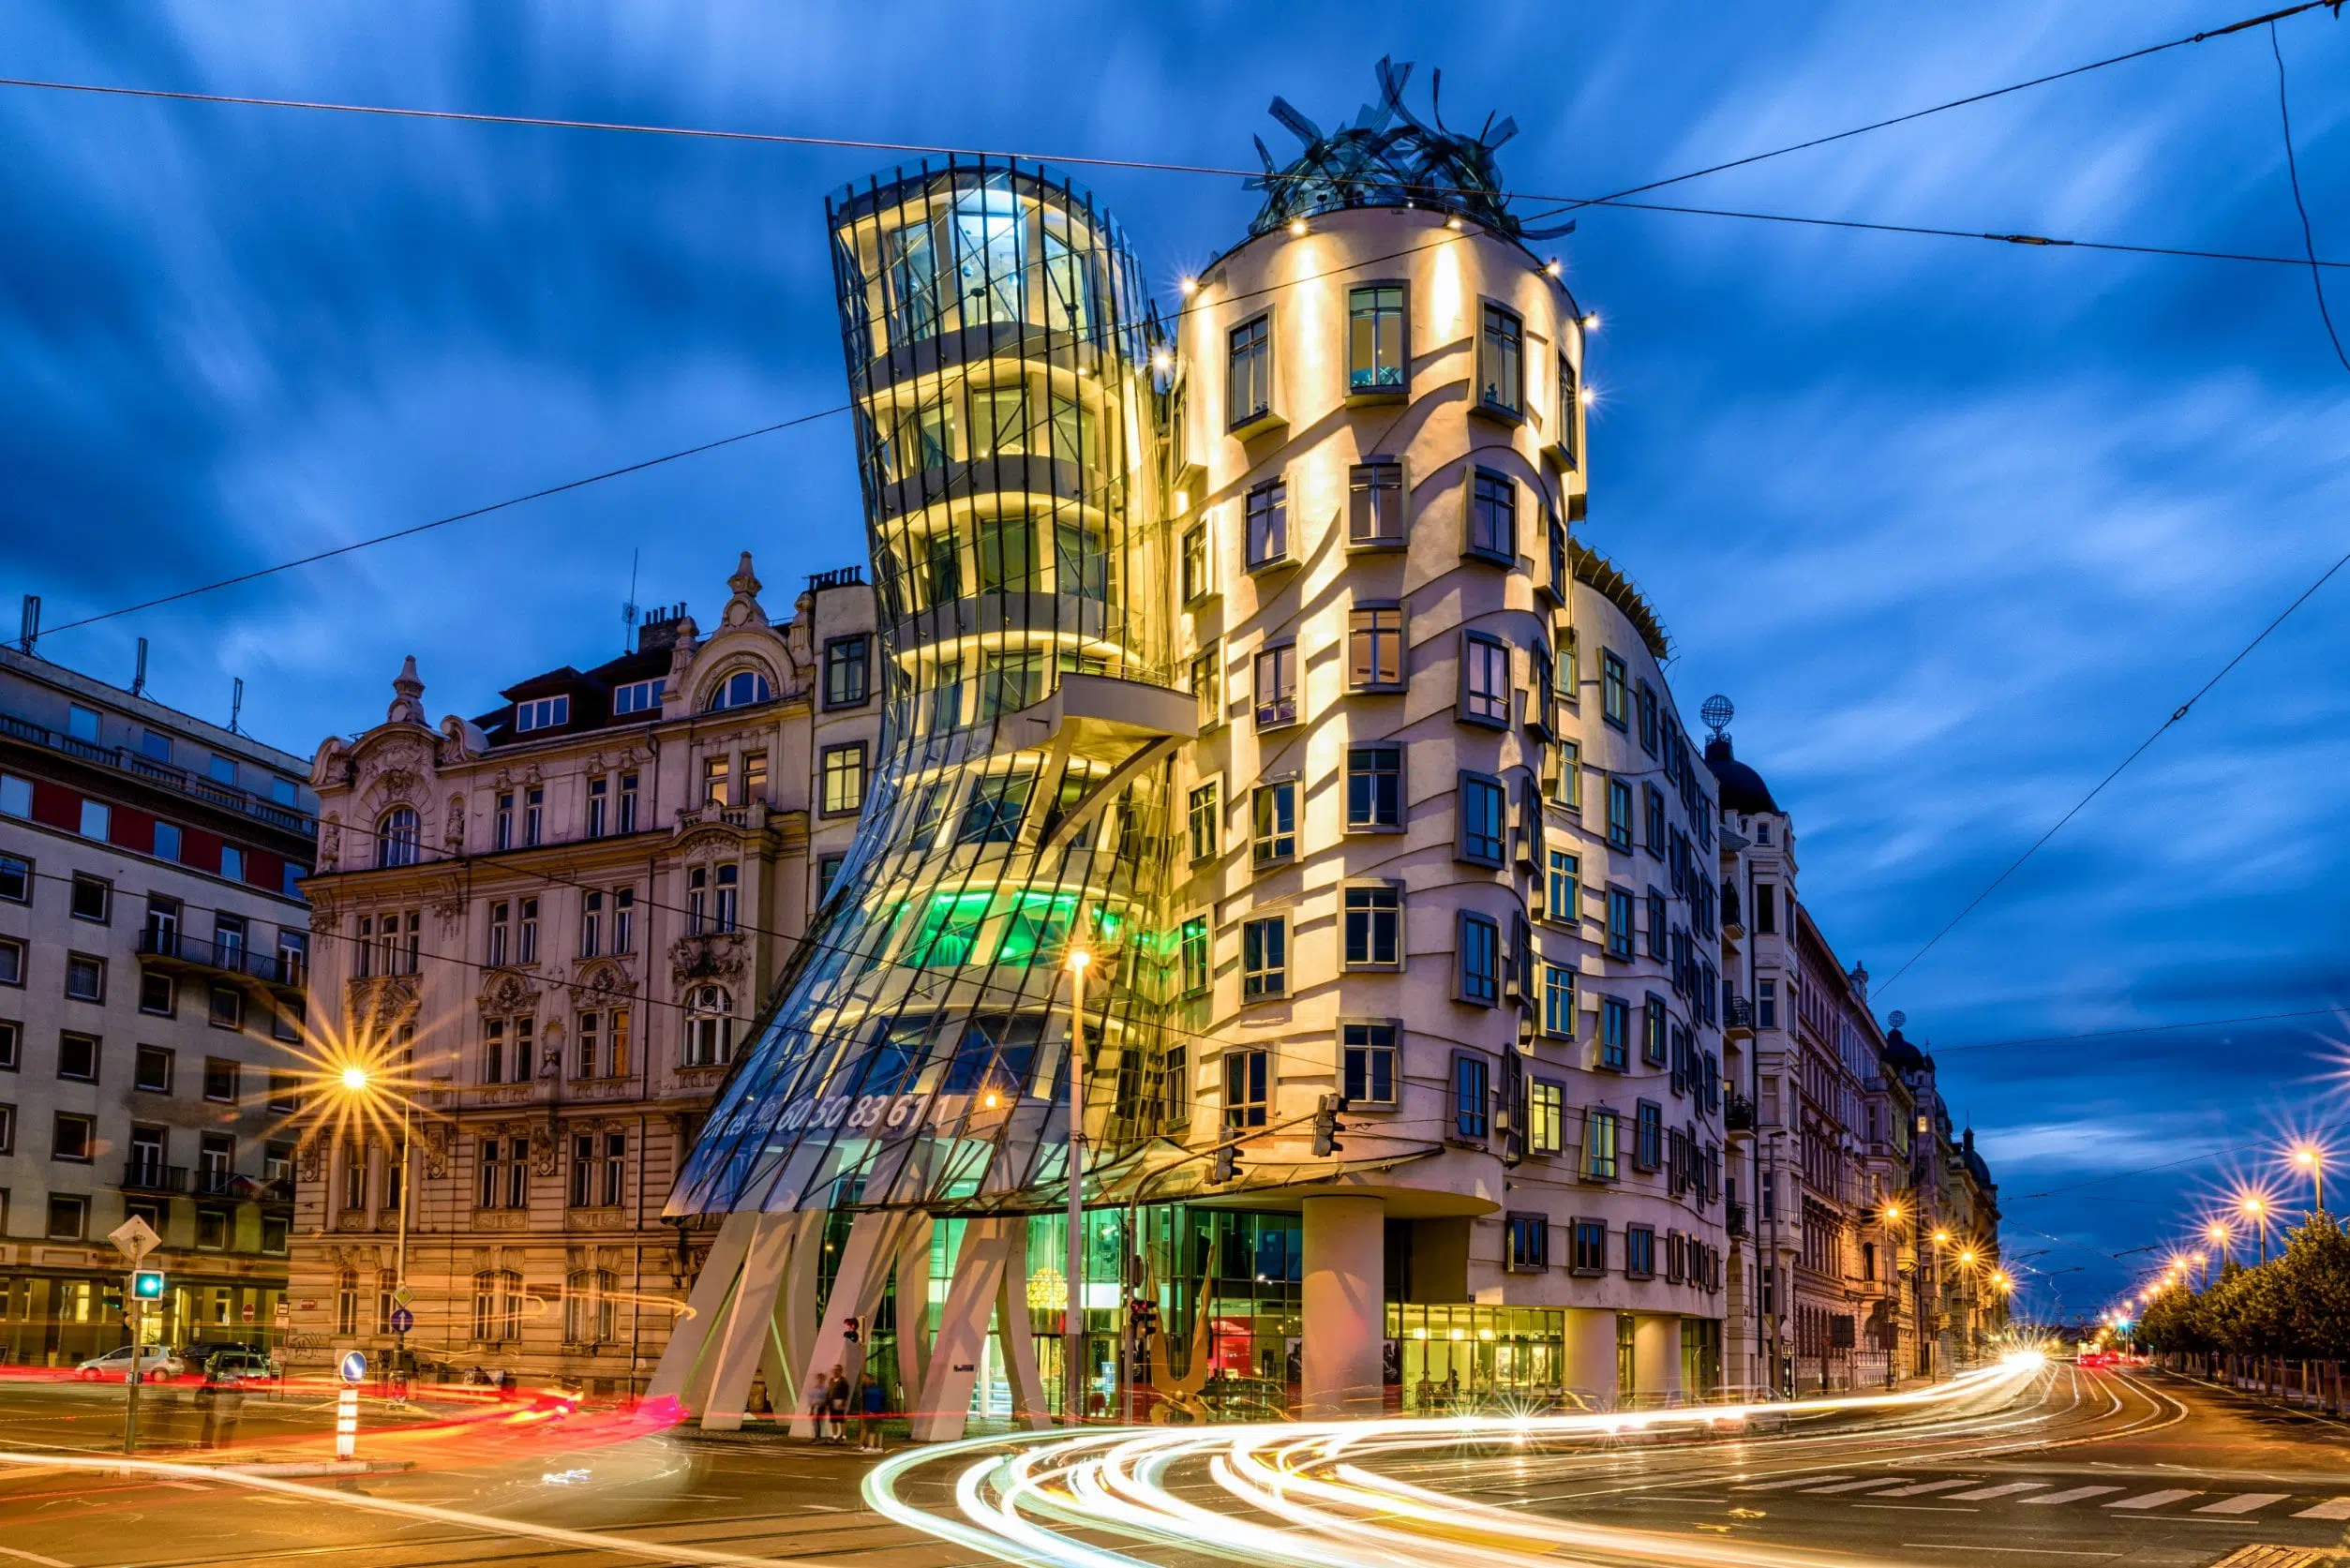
{"x": 154, "y": 1362}
{"x": 240, "y": 1364}
{"x": 197, "y": 1352}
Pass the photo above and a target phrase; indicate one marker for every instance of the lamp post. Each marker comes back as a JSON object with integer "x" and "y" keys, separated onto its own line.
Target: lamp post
{"x": 1073, "y": 1312}
{"x": 1891, "y": 1220}
{"x": 2219, "y": 1235}
{"x": 2309, "y": 1157}
{"x": 2256, "y": 1208}
{"x": 357, "y": 1080}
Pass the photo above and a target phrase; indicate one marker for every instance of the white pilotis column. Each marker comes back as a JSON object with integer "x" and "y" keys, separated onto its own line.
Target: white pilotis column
{"x": 1346, "y": 1318}
{"x": 858, "y": 1280}
{"x": 991, "y": 1277}
{"x": 690, "y": 1336}
{"x": 742, "y": 1335}
{"x": 1656, "y": 1358}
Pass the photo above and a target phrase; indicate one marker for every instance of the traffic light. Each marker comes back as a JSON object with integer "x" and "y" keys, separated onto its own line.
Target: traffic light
{"x": 1226, "y": 1167}
{"x": 851, "y": 1329}
{"x": 147, "y": 1284}
{"x": 1326, "y": 1127}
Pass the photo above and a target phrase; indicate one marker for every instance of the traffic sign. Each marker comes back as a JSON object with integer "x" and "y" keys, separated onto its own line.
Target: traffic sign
{"x": 284, "y": 1314}
{"x": 134, "y": 1238}
{"x": 402, "y": 1295}
{"x": 402, "y": 1319}
{"x": 147, "y": 1284}
{"x": 354, "y": 1367}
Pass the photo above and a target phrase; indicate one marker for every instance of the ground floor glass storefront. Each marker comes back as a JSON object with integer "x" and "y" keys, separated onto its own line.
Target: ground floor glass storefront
{"x": 1453, "y": 1360}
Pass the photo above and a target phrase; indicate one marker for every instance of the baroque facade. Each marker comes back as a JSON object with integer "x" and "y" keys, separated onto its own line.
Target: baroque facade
{"x": 154, "y": 963}
{"x": 543, "y": 930}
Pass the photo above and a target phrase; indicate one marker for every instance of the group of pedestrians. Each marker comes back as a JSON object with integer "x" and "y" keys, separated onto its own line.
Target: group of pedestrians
{"x": 832, "y": 1400}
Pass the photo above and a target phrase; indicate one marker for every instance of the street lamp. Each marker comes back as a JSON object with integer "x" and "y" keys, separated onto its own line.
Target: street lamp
{"x": 2309, "y": 1157}
{"x": 357, "y": 1080}
{"x": 1074, "y": 1310}
{"x": 2219, "y": 1235}
{"x": 2255, "y": 1207}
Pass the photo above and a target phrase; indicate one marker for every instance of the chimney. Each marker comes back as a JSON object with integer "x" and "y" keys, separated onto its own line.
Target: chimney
{"x": 660, "y": 628}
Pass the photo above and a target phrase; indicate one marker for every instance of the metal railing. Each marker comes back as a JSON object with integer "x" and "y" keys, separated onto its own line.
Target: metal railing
{"x": 215, "y": 1181}
{"x": 153, "y": 1175}
{"x": 232, "y": 958}
{"x": 122, "y": 759}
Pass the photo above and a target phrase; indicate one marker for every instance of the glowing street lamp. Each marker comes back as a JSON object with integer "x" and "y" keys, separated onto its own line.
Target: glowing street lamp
{"x": 1073, "y": 1312}
{"x": 357, "y": 1082}
{"x": 2255, "y": 1208}
{"x": 2309, "y": 1157}
{"x": 2219, "y": 1235}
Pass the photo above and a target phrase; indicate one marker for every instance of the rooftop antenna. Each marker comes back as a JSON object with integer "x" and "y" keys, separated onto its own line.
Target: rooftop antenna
{"x": 236, "y": 706}
{"x": 139, "y": 679}
{"x": 29, "y": 626}
{"x": 1717, "y": 712}
{"x": 628, "y": 609}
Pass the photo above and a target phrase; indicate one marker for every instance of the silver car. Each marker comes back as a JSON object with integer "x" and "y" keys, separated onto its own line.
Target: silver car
{"x": 154, "y": 1362}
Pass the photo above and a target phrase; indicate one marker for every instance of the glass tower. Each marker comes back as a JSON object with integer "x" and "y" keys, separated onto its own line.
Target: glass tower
{"x": 914, "y": 1053}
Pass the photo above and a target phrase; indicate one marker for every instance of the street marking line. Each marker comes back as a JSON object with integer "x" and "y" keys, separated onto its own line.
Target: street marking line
{"x": 1857, "y": 1486}
{"x": 1922, "y": 1487}
{"x": 2151, "y": 1499}
{"x": 1978, "y": 1546}
{"x": 2008, "y": 1490}
{"x": 2243, "y": 1503}
{"x": 33, "y": 1557}
{"x": 2076, "y": 1495}
{"x": 2337, "y": 1509}
{"x": 1781, "y": 1485}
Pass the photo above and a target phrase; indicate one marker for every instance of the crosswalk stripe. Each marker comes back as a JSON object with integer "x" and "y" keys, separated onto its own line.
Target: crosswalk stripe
{"x": 2008, "y": 1490}
{"x": 2339, "y": 1508}
{"x": 2076, "y": 1495}
{"x": 1780, "y": 1485}
{"x": 1857, "y": 1486}
{"x": 2150, "y": 1499}
{"x": 2244, "y": 1502}
{"x": 1924, "y": 1486}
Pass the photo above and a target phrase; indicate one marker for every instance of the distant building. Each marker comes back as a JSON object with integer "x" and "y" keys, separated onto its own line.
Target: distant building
{"x": 154, "y": 958}
{"x": 550, "y": 923}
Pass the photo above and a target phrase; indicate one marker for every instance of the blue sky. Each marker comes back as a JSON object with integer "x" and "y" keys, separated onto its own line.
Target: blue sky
{"x": 1955, "y": 524}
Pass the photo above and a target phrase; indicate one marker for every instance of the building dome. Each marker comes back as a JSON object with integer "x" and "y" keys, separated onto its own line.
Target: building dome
{"x": 1901, "y": 1055}
{"x": 1742, "y": 789}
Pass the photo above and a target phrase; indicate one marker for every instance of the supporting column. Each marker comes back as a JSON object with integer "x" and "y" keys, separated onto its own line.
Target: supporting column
{"x": 856, "y": 1282}
{"x": 1591, "y": 1356}
{"x": 913, "y": 1307}
{"x": 1345, "y": 1319}
{"x": 743, "y": 1337}
{"x": 690, "y": 1332}
{"x": 1656, "y": 1359}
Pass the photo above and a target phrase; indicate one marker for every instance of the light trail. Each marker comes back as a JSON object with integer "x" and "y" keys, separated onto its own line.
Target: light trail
{"x": 1308, "y": 1494}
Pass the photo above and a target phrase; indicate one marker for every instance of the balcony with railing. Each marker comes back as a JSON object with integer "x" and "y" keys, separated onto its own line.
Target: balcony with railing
{"x": 170, "y": 949}
{"x": 153, "y": 1175}
{"x": 1738, "y": 1113}
{"x": 219, "y": 1181}
{"x": 286, "y": 819}
{"x": 1734, "y": 1219}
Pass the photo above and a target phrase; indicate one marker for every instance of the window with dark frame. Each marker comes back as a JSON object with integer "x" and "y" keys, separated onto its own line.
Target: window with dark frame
{"x": 1374, "y": 648}
{"x": 1373, "y": 920}
{"x": 844, "y": 779}
{"x": 1265, "y": 958}
{"x": 1374, "y": 788}
{"x": 1374, "y": 504}
{"x": 1367, "y": 1060}
{"x": 1619, "y": 815}
{"x": 1501, "y": 361}
{"x": 1615, "y": 1032}
{"x": 1484, "y": 820}
{"x": 1275, "y": 671}
{"x": 1480, "y": 971}
{"x": 848, "y": 671}
{"x": 1205, "y": 818}
{"x": 1247, "y": 1090}
{"x": 1589, "y": 1254}
{"x": 1267, "y": 513}
{"x": 1248, "y": 372}
{"x": 1484, "y": 680}
{"x": 1197, "y": 578}
{"x": 1614, "y": 691}
{"x": 1472, "y": 1094}
{"x": 1375, "y": 346}
{"x": 1529, "y": 1243}
{"x": 93, "y": 899}
{"x": 1620, "y": 923}
{"x": 1273, "y": 820}
{"x": 1639, "y": 1252}
{"x": 1493, "y": 516}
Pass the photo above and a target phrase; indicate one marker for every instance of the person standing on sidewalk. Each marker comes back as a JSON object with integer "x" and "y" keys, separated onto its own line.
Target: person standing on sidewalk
{"x": 873, "y": 1400}
{"x": 836, "y": 1403}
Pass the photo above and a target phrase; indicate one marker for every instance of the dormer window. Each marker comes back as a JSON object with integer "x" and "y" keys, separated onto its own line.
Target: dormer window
{"x": 740, "y": 689}
{"x": 544, "y": 714}
{"x": 637, "y": 697}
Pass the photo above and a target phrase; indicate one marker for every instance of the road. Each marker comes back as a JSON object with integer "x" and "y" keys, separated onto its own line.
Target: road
{"x": 2050, "y": 1465}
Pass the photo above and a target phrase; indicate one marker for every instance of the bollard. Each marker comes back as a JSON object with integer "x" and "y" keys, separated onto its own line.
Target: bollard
{"x": 347, "y": 1423}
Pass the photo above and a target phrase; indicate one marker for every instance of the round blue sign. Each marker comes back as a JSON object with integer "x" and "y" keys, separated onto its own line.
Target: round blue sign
{"x": 354, "y": 1367}
{"x": 402, "y": 1319}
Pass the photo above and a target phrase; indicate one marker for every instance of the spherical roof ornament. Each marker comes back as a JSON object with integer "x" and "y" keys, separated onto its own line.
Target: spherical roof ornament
{"x": 1717, "y": 712}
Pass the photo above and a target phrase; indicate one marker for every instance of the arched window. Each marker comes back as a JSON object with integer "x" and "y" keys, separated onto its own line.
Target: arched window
{"x": 740, "y": 689}
{"x": 588, "y": 1307}
{"x": 346, "y": 1302}
{"x": 395, "y": 837}
{"x": 708, "y": 1028}
{"x": 497, "y": 1306}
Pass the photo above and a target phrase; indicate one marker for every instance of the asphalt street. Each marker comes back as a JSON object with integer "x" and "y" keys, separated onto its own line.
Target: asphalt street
{"x": 2068, "y": 1467}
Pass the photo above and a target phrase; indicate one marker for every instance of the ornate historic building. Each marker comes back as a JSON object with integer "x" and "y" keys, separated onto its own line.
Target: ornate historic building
{"x": 543, "y": 927}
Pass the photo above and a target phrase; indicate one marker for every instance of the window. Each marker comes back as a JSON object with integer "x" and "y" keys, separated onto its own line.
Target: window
{"x": 1529, "y": 1243}
{"x": 16, "y": 880}
{"x": 1484, "y": 680}
{"x": 1367, "y": 1063}
{"x": 1374, "y": 788}
{"x": 1198, "y": 566}
{"x": 599, "y": 806}
{"x": 503, "y": 1173}
{"x": 1501, "y": 361}
{"x": 1566, "y": 786}
{"x": 1208, "y": 686}
{"x": 1619, "y": 815}
{"x": 11, "y": 1046}
{"x": 8, "y": 1146}
{"x": 534, "y": 814}
{"x": 591, "y": 923}
{"x": 1480, "y": 946}
{"x": 740, "y": 689}
{"x": 1375, "y": 926}
{"x": 498, "y": 1303}
{"x": 1374, "y": 504}
{"x": 1206, "y": 820}
{"x": 16, "y": 796}
{"x": 1558, "y": 1001}
{"x": 86, "y": 978}
{"x": 73, "y": 1138}
{"x": 716, "y": 772}
{"x": 1265, "y": 959}
{"x": 1767, "y": 1006}
{"x": 1648, "y": 1136}
{"x": 150, "y": 1070}
{"x": 396, "y": 838}
{"x": 1570, "y": 405}
{"x": 844, "y": 779}
{"x": 1493, "y": 516}
{"x": 1268, "y": 523}
{"x": 730, "y": 890}
{"x": 590, "y": 1301}
{"x": 1644, "y": 708}
{"x": 220, "y": 1080}
{"x": 1615, "y": 702}
{"x": 1374, "y": 648}
{"x": 1546, "y": 1117}
{"x": 1653, "y": 801}
{"x": 501, "y": 820}
{"x": 95, "y": 820}
{"x": 1600, "y": 1129}
{"x": 1639, "y": 1252}
{"x": 1564, "y": 896}
{"x": 624, "y": 920}
{"x": 82, "y": 722}
{"x": 994, "y": 812}
{"x": 1174, "y": 1108}
{"x": 708, "y": 1028}
{"x": 628, "y": 804}
{"x": 848, "y": 672}
{"x": 637, "y": 697}
{"x": 68, "y": 1217}
{"x": 1273, "y": 823}
{"x": 1249, "y": 373}
{"x": 828, "y": 873}
{"x": 1244, "y": 1089}
{"x": 1766, "y": 909}
{"x": 285, "y": 1095}
{"x": 500, "y": 912}
{"x": 1472, "y": 1095}
{"x": 1615, "y": 1032}
{"x": 599, "y": 1164}
{"x": 1375, "y": 354}
{"x": 1659, "y": 947}
{"x": 1484, "y": 820}
{"x": 1193, "y": 948}
{"x": 11, "y": 962}
{"x": 1620, "y": 923}
{"x": 93, "y": 899}
{"x": 542, "y": 714}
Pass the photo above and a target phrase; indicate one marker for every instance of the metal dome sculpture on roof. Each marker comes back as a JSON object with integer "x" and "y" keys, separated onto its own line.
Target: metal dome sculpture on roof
{"x": 1390, "y": 157}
